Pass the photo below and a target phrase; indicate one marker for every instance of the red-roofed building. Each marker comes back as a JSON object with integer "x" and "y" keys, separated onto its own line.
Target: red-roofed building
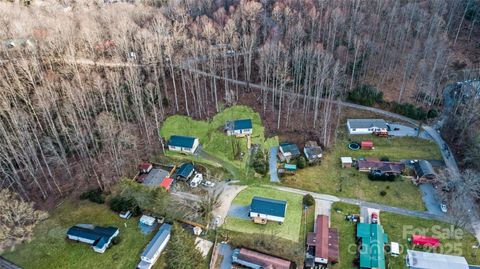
{"x": 366, "y": 145}
{"x": 252, "y": 259}
{"x": 145, "y": 167}
{"x": 425, "y": 241}
{"x": 166, "y": 183}
{"x": 322, "y": 244}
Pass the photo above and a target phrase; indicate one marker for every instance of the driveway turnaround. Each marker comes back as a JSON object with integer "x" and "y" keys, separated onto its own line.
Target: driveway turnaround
{"x": 273, "y": 164}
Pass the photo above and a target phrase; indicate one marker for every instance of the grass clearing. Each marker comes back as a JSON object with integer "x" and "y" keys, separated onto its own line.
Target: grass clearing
{"x": 290, "y": 229}
{"x": 233, "y": 151}
{"x": 328, "y": 177}
{"x": 346, "y": 230}
{"x": 49, "y": 247}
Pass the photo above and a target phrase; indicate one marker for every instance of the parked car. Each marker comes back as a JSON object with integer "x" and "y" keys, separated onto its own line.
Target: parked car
{"x": 125, "y": 214}
{"x": 443, "y": 207}
{"x": 374, "y": 218}
{"x": 208, "y": 184}
{"x": 353, "y": 217}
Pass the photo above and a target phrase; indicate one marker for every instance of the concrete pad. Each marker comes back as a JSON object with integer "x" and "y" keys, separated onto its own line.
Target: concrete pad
{"x": 322, "y": 207}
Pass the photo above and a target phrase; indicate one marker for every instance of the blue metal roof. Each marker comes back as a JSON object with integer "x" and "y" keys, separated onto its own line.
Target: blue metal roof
{"x": 268, "y": 206}
{"x": 184, "y": 170}
{"x": 157, "y": 241}
{"x": 181, "y": 141}
{"x": 242, "y": 124}
{"x": 101, "y": 235}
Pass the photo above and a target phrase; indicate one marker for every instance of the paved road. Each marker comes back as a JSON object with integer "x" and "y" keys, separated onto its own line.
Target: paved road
{"x": 430, "y": 200}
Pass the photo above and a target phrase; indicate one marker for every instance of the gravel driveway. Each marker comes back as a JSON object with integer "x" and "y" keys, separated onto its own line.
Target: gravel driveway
{"x": 272, "y": 160}
{"x": 429, "y": 196}
{"x": 239, "y": 211}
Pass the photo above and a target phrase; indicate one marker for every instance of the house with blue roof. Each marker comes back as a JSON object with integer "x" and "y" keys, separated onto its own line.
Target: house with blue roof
{"x": 263, "y": 210}
{"x": 184, "y": 172}
{"x": 187, "y": 144}
{"x": 239, "y": 128}
{"x": 155, "y": 247}
{"x": 98, "y": 237}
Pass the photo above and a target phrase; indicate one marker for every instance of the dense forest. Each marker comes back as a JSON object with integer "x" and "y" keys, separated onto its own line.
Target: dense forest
{"x": 85, "y": 86}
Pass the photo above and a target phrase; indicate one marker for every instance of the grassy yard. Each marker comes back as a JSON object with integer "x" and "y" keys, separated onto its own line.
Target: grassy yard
{"x": 346, "y": 232}
{"x": 50, "y": 248}
{"x": 290, "y": 229}
{"x": 399, "y": 228}
{"x": 329, "y": 177}
{"x": 233, "y": 151}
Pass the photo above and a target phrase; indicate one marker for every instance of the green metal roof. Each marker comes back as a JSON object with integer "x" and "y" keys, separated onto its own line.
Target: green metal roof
{"x": 372, "y": 251}
{"x": 268, "y": 206}
{"x": 181, "y": 141}
{"x": 291, "y": 167}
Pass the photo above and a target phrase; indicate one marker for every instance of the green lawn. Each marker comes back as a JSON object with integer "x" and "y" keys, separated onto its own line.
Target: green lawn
{"x": 50, "y": 248}
{"x": 399, "y": 228}
{"x": 290, "y": 229}
{"x": 346, "y": 232}
{"x": 329, "y": 177}
{"x": 233, "y": 151}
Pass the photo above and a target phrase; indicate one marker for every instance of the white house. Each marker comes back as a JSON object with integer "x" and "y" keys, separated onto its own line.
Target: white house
{"x": 239, "y": 127}
{"x": 366, "y": 126}
{"x": 427, "y": 260}
{"x": 155, "y": 247}
{"x": 186, "y": 144}
{"x": 265, "y": 209}
{"x": 99, "y": 237}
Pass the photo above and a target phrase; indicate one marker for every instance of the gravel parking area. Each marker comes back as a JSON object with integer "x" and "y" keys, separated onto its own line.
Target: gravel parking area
{"x": 239, "y": 211}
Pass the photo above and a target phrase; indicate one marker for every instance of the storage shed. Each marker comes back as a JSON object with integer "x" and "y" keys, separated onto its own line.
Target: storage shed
{"x": 346, "y": 162}
{"x": 425, "y": 240}
{"x": 166, "y": 183}
{"x": 147, "y": 220}
{"x": 366, "y": 145}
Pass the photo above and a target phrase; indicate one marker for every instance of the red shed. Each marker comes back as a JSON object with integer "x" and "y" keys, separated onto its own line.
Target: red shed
{"x": 366, "y": 144}
{"x": 425, "y": 240}
{"x": 145, "y": 167}
{"x": 166, "y": 183}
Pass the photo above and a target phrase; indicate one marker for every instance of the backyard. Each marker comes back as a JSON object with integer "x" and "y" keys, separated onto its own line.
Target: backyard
{"x": 328, "y": 177}
{"x": 50, "y": 248}
{"x": 231, "y": 151}
{"x": 290, "y": 229}
{"x": 346, "y": 230}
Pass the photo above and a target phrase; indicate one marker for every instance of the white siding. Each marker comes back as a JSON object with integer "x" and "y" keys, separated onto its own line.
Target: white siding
{"x": 157, "y": 252}
{"x": 268, "y": 217}
{"x": 187, "y": 150}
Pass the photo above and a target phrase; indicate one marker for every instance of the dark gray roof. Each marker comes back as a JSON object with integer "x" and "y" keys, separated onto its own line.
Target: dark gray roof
{"x": 268, "y": 206}
{"x": 157, "y": 241}
{"x": 424, "y": 168}
{"x": 367, "y": 123}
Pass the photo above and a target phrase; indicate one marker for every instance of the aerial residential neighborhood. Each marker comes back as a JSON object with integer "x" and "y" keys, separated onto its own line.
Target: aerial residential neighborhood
{"x": 240, "y": 134}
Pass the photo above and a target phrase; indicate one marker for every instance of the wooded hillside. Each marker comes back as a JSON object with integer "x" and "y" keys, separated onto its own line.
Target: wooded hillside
{"x": 84, "y": 87}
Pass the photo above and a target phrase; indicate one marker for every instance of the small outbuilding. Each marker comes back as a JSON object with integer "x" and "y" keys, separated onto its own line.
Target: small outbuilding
{"x": 239, "y": 127}
{"x": 428, "y": 260}
{"x": 144, "y": 168}
{"x": 421, "y": 240}
{"x": 366, "y": 145}
{"x": 263, "y": 210}
{"x": 346, "y": 162}
{"x": 312, "y": 151}
{"x": 185, "y": 144}
{"x": 424, "y": 172}
{"x": 147, "y": 220}
{"x": 98, "y": 237}
{"x": 166, "y": 183}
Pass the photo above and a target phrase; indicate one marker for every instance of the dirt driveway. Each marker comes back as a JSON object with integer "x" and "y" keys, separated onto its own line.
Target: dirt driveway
{"x": 229, "y": 193}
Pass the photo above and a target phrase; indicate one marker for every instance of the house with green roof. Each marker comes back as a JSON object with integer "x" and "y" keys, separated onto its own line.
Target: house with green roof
{"x": 372, "y": 240}
{"x": 239, "y": 127}
{"x": 263, "y": 210}
{"x": 288, "y": 151}
{"x": 187, "y": 144}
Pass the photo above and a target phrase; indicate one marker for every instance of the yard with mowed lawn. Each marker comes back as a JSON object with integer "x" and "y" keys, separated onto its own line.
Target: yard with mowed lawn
{"x": 290, "y": 229}
{"x": 329, "y": 177}
{"x": 233, "y": 151}
{"x": 50, "y": 248}
{"x": 399, "y": 228}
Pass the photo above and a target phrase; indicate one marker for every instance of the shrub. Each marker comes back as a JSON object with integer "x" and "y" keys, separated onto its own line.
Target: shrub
{"x": 95, "y": 195}
{"x": 383, "y": 193}
{"x": 116, "y": 240}
{"x": 301, "y": 162}
{"x": 259, "y": 163}
{"x": 384, "y": 159}
{"x": 308, "y": 200}
{"x": 379, "y": 177}
{"x": 366, "y": 95}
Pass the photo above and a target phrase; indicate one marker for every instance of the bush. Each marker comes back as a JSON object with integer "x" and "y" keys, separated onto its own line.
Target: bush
{"x": 308, "y": 200}
{"x": 301, "y": 162}
{"x": 384, "y": 159}
{"x": 383, "y": 193}
{"x": 259, "y": 163}
{"x": 116, "y": 240}
{"x": 378, "y": 177}
{"x": 95, "y": 195}
{"x": 119, "y": 204}
{"x": 366, "y": 95}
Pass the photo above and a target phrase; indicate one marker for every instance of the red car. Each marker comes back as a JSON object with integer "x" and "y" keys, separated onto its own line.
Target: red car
{"x": 374, "y": 219}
